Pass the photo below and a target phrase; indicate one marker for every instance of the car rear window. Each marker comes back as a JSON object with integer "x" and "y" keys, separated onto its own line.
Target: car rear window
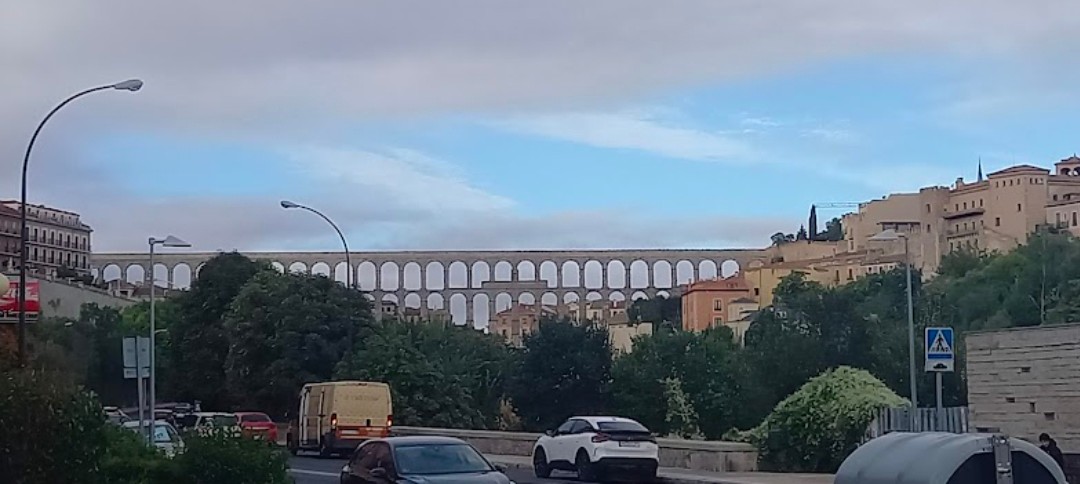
{"x": 255, "y": 417}
{"x": 621, "y": 427}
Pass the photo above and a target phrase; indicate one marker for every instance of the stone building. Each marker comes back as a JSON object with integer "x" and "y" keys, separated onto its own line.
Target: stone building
{"x": 519, "y": 320}
{"x": 1026, "y": 381}
{"x": 9, "y": 239}
{"x": 57, "y": 239}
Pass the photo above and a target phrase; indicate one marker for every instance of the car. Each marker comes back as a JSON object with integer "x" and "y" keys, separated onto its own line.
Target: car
{"x": 595, "y": 447}
{"x": 116, "y": 416}
{"x": 166, "y": 437}
{"x": 206, "y": 421}
{"x": 415, "y": 460}
{"x": 257, "y": 425}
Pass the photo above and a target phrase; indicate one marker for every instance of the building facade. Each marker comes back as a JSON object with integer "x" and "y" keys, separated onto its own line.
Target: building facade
{"x": 57, "y": 242}
{"x": 708, "y": 303}
{"x": 10, "y": 242}
{"x": 519, "y": 320}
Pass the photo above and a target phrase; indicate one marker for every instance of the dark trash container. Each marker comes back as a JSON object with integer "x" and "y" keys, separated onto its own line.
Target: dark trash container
{"x": 946, "y": 458}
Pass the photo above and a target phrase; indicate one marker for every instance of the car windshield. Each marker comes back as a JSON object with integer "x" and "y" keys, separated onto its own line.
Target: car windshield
{"x": 221, "y": 420}
{"x": 433, "y": 459}
{"x": 255, "y": 417}
{"x": 621, "y": 427}
{"x": 163, "y": 434}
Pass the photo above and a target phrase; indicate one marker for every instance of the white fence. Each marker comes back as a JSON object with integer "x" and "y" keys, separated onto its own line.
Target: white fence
{"x": 950, "y": 419}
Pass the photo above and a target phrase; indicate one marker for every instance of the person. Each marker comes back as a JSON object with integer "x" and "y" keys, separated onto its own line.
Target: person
{"x": 1050, "y": 446}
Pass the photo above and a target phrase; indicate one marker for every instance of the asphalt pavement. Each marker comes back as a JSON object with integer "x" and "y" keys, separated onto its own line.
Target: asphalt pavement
{"x": 314, "y": 470}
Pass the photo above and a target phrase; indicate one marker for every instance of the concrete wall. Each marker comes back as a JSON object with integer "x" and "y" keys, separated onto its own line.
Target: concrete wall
{"x": 683, "y": 454}
{"x": 1026, "y": 381}
{"x": 65, "y": 299}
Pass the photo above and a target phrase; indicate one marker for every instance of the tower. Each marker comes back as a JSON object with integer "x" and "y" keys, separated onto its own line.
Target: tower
{"x": 813, "y": 235}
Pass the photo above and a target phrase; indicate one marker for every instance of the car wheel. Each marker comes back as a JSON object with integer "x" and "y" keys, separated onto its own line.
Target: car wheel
{"x": 540, "y": 464}
{"x": 586, "y": 471}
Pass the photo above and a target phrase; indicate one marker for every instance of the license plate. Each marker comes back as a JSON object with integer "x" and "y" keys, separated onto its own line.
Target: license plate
{"x": 629, "y": 444}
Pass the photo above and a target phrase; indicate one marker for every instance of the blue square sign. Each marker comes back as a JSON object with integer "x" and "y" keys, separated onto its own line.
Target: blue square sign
{"x": 940, "y": 356}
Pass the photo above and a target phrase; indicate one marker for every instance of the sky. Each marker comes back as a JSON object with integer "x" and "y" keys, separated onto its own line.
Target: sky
{"x": 494, "y": 124}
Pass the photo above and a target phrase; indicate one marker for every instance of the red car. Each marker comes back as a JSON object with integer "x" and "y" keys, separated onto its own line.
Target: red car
{"x": 258, "y": 425}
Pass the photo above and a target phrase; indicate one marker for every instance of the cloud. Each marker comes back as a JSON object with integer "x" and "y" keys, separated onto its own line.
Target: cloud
{"x": 628, "y": 130}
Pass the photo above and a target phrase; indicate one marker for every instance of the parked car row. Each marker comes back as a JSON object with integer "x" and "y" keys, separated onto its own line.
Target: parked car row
{"x": 170, "y": 422}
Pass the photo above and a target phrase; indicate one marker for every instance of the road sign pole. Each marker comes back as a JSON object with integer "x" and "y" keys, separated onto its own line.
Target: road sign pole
{"x": 142, "y": 394}
{"x": 940, "y": 409}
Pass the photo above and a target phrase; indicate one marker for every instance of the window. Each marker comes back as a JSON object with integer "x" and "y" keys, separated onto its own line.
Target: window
{"x": 1019, "y": 207}
{"x": 1055, "y": 197}
{"x": 927, "y": 228}
{"x": 958, "y": 207}
{"x": 757, "y": 291}
{"x": 718, "y": 304}
{"x": 580, "y": 427}
{"x": 997, "y": 221}
{"x": 965, "y": 205}
{"x": 980, "y": 203}
{"x": 1057, "y": 218}
{"x": 1074, "y": 219}
{"x": 565, "y": 427}
{"x": 928, "y": 208}
{"x": 718, "y": 321}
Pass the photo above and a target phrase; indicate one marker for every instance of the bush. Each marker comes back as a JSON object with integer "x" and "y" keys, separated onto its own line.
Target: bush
{"x": 818, "y": 426}
{"x": 128, "y": 460}
{"x": 221, "y": 457}
{"x": 50, "y": 431}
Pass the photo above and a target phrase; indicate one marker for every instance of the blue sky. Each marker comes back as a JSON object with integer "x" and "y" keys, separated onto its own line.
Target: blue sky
{"x": 626, "y": 126}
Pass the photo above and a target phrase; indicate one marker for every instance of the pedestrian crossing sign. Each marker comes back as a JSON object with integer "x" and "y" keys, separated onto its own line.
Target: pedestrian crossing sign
{"x": 939, "y": 350}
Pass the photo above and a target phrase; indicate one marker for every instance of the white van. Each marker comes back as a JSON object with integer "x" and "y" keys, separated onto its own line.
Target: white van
{"x": 335, "y": 417}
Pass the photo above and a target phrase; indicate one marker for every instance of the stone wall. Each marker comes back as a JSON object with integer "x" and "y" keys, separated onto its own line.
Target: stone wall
{"x": 61, "y": 299}
{"x": 684, "y": 454}
{"x": 1026, "y": 381}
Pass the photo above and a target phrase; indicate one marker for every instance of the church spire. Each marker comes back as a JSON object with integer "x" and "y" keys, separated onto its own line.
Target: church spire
{"x": 980, "y": 169}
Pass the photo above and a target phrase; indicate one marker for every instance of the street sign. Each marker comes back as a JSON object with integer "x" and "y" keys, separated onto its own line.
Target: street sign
{"x": 940, "y": 356}
{"x": 136, "y": 354}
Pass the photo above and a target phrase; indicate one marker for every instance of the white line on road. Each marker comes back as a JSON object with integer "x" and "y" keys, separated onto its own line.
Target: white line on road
{"x": 314, "y": 473}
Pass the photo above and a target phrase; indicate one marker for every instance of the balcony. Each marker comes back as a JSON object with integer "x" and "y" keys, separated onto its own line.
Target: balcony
{"x": 971, "y": 212}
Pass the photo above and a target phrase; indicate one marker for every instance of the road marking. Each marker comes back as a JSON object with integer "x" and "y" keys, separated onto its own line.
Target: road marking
{"x": 314, "y": 473}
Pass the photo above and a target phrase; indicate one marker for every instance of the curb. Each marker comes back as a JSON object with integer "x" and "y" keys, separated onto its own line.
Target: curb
{"x": 659, "y": 480}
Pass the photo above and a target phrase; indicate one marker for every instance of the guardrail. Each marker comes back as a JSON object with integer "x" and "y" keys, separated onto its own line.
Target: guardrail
{"x": 703, "y": 455}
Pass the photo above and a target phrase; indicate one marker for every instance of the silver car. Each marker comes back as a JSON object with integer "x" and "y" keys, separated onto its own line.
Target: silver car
{"x": 166, "y": 437}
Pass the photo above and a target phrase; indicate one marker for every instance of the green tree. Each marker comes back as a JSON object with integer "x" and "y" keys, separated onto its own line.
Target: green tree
{"x": 564, "y": 370}
{"x": 834, "y": 231}
{"x": 286, "y": 330}
{"x": 199, "y": 343}
{"x": 440, "y": 376}
{"x": 658, "y": 310}
{"x": 681, "y": 417}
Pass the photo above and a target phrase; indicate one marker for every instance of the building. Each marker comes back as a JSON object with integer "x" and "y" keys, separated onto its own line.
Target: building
{"x": 707, "y": 303}
{"x": 57, "y": 239}
{"x": 519, "y": 320}
{"x": 9, "y": 239}
{"x": 1026, "y": 381}
{"x": 621, "y": 334}
{"x": 994, "y": 213}
{"x": 417, "y": 315}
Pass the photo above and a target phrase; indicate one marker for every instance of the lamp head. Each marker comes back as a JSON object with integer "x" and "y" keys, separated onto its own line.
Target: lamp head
{"x": 128, "y": 85}
{"x": 169, "y": 241}
{"x": 288, "y": 204}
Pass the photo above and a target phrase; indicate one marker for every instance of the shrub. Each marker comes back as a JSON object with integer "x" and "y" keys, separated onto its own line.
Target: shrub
{"x": 128, "y": 460}
{"x": 222, "y": 457}
{"x": 51, "y": 431}
{"x": 818, "y": 426}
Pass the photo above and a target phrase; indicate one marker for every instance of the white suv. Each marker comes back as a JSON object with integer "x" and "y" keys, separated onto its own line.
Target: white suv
{"x": 595, "y": 446}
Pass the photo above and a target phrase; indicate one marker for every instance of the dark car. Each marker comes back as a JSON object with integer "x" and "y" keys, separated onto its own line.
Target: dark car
{"x": 420, "y": 460}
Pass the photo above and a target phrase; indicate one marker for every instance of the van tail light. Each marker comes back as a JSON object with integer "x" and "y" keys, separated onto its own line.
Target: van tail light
{"x": 333, "y": 421}
{"x": 599, "y": 438}
{"x": 389, "y": 420}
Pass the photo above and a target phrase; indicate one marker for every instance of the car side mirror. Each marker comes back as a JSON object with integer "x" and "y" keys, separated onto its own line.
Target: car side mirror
{"x": 378, "y": 473}
{"x": 500, "y": 467}
{"x": 549, "y": 433}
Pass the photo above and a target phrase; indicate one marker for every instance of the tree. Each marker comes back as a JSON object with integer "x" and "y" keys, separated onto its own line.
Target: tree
{"x": 782, "y": 238}
{"x": 199, "y": 343}
{"x": 564, "y": 370}
{"x": 285, "y": 330}
{"x": 659, "y": 310}
{"x": 834, "y": 231}
{"x": 681, "y": 417}
{"x": 801, "y": 234}
{"x": 440, "y": 376}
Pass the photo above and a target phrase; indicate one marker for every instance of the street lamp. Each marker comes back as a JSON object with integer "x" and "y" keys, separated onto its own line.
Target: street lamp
{"x": 128, "y": 85}
{"x": 349, "y": 275}
{"x": 891, "y": 235}
{"x": 169, "y": 241}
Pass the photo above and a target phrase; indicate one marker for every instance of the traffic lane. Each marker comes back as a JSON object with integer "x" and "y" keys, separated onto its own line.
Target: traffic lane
{"x": 315, "y": 470}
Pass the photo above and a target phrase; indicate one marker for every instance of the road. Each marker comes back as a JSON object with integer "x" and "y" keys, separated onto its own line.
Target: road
{"x": 313, "y": 470}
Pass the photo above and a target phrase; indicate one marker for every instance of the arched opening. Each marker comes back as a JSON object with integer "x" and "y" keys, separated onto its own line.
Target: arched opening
{"x": 526, "y": 298}
{"x": 593, "y": 296}
{"x": 321, "y": 269}
{"x": 639, "y": 274}
{"x": 662, "y": 274}
{"x": 571, "y": 274}
{"x": 457, "y": 309}
{"x": 111, "y": 273}
{"x": 275, "y": 264}
{"x": 298, "y": 268}
{"x": 481, "y": 310}
{"x": 435, "y": 276}
{"x": 684, "y": 272}
{"x": 503, "y": 301}
{"x": 481, "y": 273}
{"x": 639, "y": 295}
{"x": 388, "y": 275}
{"x": 410, "y": 277}
{"x": 549, "y": 299}
{"x": 616, "y": 275}
{"x": 181, "y": 276}
{"x": 594, "y": 275}
{"x": 617, "y": 297}
{"x": 707, "y": 269}
{"x": 526, "y": 271}
{"x": 503, "y": 271}
{"x": 412, "y": 300}
{"x": 161, "y": 276}
{"x": 549, "y": 272}
{"x": 436, "y": 301}
{"x": 135, "y": 274}
{"x": 342, "y": 273}
{"x": 365, "y": 275}
{"x": 729, "y": 268}
{"x": 458, "y": 275}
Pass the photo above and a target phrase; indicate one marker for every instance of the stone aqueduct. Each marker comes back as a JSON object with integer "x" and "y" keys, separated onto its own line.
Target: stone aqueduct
{"x": 478, "y": 277}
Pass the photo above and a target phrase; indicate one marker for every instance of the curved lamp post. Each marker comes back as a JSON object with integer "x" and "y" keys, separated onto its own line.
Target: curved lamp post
{"x": 350, "y": 275}
{"x": 892, "y": 235}
{"x": 169, "y": 241}
{"x": 128, "y": 85}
